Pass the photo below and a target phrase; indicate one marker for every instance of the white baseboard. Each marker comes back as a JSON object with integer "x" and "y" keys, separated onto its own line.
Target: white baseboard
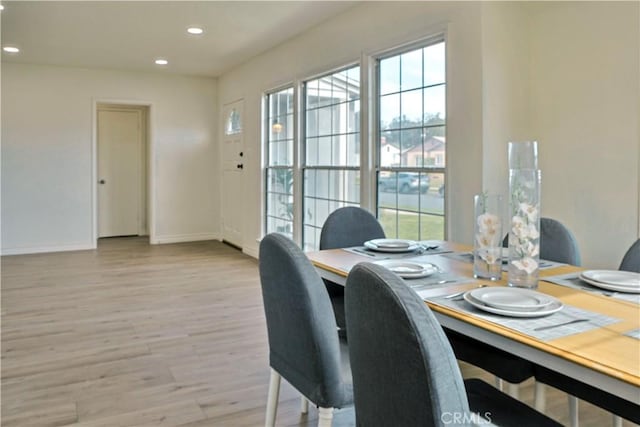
{"x": 44, "y": 249}
{"x": 181, "y": 238}
{"x": 252, "y": 252}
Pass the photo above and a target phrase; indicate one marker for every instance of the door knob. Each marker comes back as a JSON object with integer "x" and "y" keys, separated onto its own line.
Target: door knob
{"x": 240, "y": 166}
{"x": 102, "y": 181}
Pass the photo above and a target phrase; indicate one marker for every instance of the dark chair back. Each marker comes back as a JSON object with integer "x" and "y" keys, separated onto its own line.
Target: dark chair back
{"x": 303, "y": 344}
{"x": 404, "y": 371}
{"x": 631, "y": 259}
{"x": 349, "y": 226}
{"x": 557, "y": 243}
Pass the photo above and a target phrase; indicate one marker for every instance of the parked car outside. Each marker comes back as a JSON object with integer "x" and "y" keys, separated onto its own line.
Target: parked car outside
{"x": 403, "y": 182}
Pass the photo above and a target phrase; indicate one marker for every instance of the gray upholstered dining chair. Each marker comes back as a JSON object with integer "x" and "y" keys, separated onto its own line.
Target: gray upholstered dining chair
{"x": 345, "y": 227}
{"x": 404, "y": 371}
{"x": 303, "y": 346}
{"x": 631, "y": 259}
{"x": 557, "y": 243}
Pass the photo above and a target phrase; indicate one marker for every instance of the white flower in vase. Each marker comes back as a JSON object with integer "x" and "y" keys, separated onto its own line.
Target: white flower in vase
{"x": 529, "y": 210}
{"x": 524, "y": 229}
{"x": 519, "y": 227}
{"x": 486, "y": 241}
{"x": 532, "y": 232}
{"x": 527, "y": 264}
{"x": 488, "y": 222}
{"x": 489, "y": 255}
{"x": 530, "y": 249}
{"x": 488, "y": 237}
{"x": 483, "y": 240}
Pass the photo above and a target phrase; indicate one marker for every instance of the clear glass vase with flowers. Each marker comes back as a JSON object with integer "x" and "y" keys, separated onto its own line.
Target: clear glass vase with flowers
{"x": 487, "y": 242}
{"x": 524, "y": 205}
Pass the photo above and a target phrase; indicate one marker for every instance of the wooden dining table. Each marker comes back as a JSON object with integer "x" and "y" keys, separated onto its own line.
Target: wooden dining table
{"x": 606, "y": 357}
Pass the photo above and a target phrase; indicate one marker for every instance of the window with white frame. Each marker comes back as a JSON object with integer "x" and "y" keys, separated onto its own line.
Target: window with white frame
{"x": 411, "y": 88}
{"x": 279, "y": 140}
{"x": 409, "y": 145}
{"x": 331, "y": 146}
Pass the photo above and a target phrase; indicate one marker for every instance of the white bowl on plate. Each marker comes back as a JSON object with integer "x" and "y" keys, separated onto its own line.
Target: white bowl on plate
{"x": 507, "y": 298}
{"x": 408, "y": 269}
{"x": 391, "y": 245}
{"x": 613, "y": 280}
{"x": 546, "y": 310}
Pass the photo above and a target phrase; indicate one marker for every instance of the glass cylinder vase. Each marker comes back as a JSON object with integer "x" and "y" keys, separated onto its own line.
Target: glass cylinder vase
{"x": 524, "y": 234}
{"x": 523, "y": 155}
{"x": 487, "y": 242}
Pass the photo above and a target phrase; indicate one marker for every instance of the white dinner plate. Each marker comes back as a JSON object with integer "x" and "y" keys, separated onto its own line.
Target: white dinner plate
{"x": 408, "y": 269}
{"x": 519, "y": 299}
{"x": 391, "y": 245}
{"x": 544, "y": 311}
{"x": 614, "y": 280}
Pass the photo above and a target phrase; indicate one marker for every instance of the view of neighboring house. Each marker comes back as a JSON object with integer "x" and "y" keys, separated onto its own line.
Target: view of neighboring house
{"x": 389, "y": 153}
{"x": 431, "y": 153}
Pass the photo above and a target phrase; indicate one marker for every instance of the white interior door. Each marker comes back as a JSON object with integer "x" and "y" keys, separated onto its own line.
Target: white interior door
{"x": 119, "y": 172}
{"x": 232, "y": 173}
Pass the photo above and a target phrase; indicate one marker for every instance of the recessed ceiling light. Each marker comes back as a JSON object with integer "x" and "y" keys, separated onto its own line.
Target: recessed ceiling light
{"x": 195, "y": 30}
{"x": 1, "y": 7}
{"x": 11, "y": 49}
{"x": 161, "y": 61}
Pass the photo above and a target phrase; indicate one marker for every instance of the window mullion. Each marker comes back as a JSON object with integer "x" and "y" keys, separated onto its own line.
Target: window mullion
{"x": 368, "y": 156}
{"x": 298, "y": 164}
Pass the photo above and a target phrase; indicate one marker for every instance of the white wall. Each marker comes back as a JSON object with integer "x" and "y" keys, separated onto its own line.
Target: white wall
{"x": 47, "y": 125}
{"x": 585, "y": 113}
{"x": 368, "y": 28}
{"x": 567, "y": 74}
{"x": 505, "y": 89}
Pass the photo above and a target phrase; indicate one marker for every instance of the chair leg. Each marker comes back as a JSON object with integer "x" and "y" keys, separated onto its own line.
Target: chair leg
{"x": 617, "y": 421}
{"x": 304, "y": 405}
{"x": 325, "y": 415}
{"x": 573, "y": 410}
{"x": 513, "y": 390}
{"x": 540, "y": 397}
{"x": 272, "y": 399}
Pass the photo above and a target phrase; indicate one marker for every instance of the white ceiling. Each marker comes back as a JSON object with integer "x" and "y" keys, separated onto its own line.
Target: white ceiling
{"x": 129, "y": 35}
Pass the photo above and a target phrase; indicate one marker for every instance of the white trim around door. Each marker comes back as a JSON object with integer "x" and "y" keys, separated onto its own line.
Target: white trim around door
{"x": 148, "y": 202}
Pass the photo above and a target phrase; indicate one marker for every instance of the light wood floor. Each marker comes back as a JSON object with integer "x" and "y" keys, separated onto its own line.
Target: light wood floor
{"x": 135, "y": 335}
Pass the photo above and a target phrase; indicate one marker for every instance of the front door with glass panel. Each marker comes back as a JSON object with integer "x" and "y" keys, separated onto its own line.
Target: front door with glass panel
{"x": 233, "y": 158}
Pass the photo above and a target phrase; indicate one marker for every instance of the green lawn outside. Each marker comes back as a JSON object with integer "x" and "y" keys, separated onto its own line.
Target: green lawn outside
{"x": 412, "y": 226}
